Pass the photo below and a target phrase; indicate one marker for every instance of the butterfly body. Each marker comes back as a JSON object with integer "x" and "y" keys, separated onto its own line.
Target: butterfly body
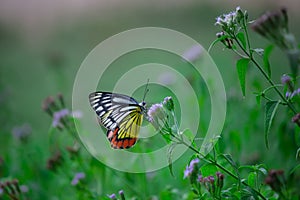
{"x": 121, "y": 115}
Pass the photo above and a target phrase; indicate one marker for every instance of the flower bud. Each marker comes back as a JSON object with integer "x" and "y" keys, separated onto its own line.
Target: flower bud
{"x": 168, "y": 103}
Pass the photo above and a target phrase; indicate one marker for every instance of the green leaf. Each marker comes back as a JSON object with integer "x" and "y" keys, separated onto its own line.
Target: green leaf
{"x": 294, "y": 169}
{"x": 216, "y": 41}
{"x": 252, "y": 179}
{"x": 298, "y": 154}
{"x": 258, "y": 99}
{"x": 242, "y": 39}
{"x": 267, "y": 53}
{"x": 271, "y": 107}
{"x": 241, "y": 67}
{"x": 208, "y": 170}
{"x": 188, "y": 133}
{"x": 229, "y": 159}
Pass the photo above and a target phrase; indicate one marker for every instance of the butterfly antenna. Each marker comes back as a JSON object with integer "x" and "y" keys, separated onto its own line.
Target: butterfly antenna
{"x": 146, "y": 90}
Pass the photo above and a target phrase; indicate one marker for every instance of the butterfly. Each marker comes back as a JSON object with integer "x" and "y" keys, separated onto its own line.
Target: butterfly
{"x": 121, "y": 115}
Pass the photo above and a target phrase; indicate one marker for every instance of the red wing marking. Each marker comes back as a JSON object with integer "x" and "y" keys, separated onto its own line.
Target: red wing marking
{"x": 116, "y": 143}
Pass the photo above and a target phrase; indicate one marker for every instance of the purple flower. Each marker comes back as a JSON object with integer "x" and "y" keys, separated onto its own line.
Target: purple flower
{"x": 112, "y": 196}
{"x": 190, "y": 168}
{"x": 285, "y": 79}
{"x": 205, "y": 180}
{"x": 188, "y": 171}
{"x": 200, "y": 178}
{"x": 211, "y": 179}
{"x": 77, "y": 178}
{"x": 24, "y": 188}
{"x": 194, "y": 161}
{"x": 230, "y": 19}
{"x": 155, "y": 112}
{"x": 193, "y": 53}
{"x": 121, "y": 193}
{"x": 22, "y": 132}
{"x": 57, "y": 116}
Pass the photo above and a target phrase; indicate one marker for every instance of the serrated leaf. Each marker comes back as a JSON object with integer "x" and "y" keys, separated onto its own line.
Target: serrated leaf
{"x": 252, "y": 179}
{"x": 271, "y": 107}
{"x": 267, "y": 53}
{"x": 241, "y": 67}
{"x": 242, "y": 39}
{"x": 208, "y": 170}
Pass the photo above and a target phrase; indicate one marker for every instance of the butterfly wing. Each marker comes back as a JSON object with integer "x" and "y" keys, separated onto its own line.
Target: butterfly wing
{"x": 120, "y": 114}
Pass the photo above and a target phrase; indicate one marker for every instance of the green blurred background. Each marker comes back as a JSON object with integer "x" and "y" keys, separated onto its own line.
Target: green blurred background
{"x": 42, "y": 44}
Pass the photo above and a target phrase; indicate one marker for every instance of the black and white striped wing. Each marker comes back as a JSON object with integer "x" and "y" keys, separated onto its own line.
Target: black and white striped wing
{"x": 112, "y": 108}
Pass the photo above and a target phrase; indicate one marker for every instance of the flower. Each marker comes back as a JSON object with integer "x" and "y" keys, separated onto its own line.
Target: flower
{"x": 78, "y": 176}
{"x": 168, "y": 103}
{"x": 193, "y": 53}
{"x": 22, "y": 132}
{"x": 155, "y": 112}
{"x": 190, "y": 168}
{"x": 47, "y": 104}
{"x": 24, "y": 188}
{"x": 121, "y": 193}
{"x": 285, "y": 79}
{"x": 112, "y": 196}
{"x": 211, "y": 179}
{"x": 58, "y": 116}
{"x": 220, "y": 179}
{"x": 296, "y": 119}
{"x": 273, "y": 26}
{"x": 200, "y": 178}
{"x": 229, "y": 22}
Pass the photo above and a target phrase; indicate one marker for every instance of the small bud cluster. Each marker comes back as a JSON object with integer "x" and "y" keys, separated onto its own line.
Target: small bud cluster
{"x": 273, "y": 26}
{"x": 54, "y": 161}
{"x": 212, "y": 184}
{"x": 275, "y": 180}
{"x": 57, "y": 110}
{"x": 12, "y": 189}
{"x": 231, "y": 24}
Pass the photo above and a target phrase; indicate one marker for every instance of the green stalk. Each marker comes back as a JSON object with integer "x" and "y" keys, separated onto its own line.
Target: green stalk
{"x": 250, "y": 56}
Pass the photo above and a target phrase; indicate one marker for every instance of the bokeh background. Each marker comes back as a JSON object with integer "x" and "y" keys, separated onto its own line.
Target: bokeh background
{"x": 43, "y": 43}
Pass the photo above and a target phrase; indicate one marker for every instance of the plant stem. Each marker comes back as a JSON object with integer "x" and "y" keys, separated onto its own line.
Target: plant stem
{"x": 216, "y": 164}
{"x": 250, "y": 56}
